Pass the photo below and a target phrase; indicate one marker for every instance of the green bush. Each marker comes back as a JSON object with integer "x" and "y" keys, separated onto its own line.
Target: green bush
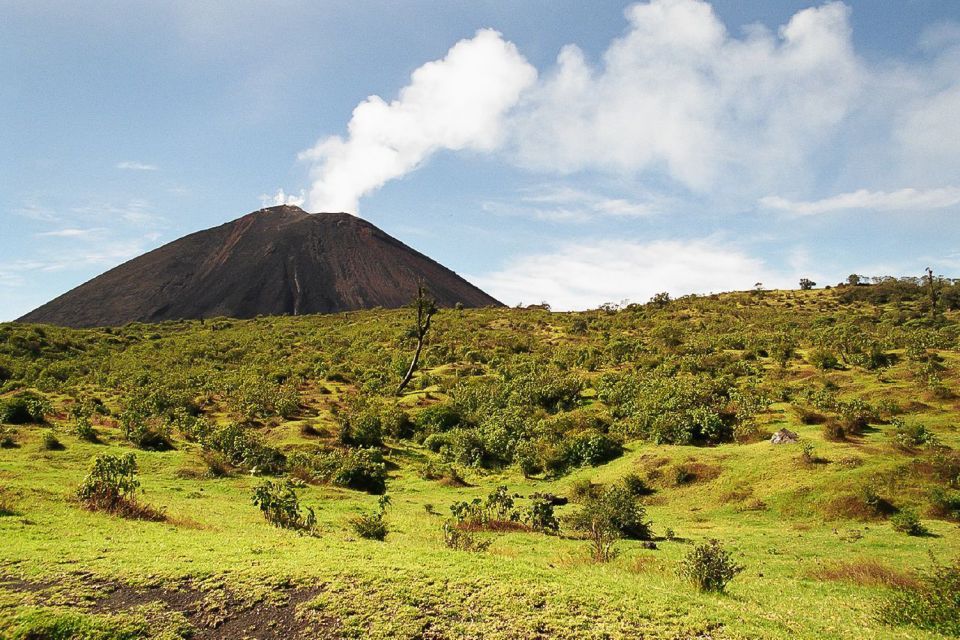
{"x": 280, "y": 505}
{"x": 540, "y": 516}
{"x": 709, "y": 567}
{"x": 932, "y": 605}
{"x": 906, "y": 521}
{"x": 823, "y": 360}
{"x": 372, "y": 525}
{"x": 944, "y": 503}
{"x": 243, "y": 447}
{"x": 111, "y": 486}
{"x": 25, "y": 407}
{"x": 911, "y": 436}
{"x": 49, "y": 442}
{"x": 607, "y": 516}
{"x": 456, "y": 538}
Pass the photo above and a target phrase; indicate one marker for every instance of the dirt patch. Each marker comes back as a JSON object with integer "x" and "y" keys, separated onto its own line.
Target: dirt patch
{"x": 214, "y": 614}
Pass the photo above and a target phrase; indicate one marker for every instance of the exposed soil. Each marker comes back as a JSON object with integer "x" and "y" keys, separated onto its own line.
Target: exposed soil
{"x": 275, "y": 261}
{"x": 216, "y": 614}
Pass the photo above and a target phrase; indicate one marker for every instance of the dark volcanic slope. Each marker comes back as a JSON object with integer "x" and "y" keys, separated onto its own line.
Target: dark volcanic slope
{"x": 275, "y": 261}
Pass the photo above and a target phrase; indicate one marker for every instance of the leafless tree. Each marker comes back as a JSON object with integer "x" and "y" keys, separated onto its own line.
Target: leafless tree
{"x": 425, "y": 307}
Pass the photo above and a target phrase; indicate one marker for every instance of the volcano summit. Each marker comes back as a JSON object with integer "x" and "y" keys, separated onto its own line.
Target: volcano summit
{"x": 275, "y": 261}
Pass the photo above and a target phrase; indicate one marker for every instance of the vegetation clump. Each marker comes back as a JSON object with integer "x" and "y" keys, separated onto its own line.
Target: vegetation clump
{"x": 111, "y": 486}
{"x": 932, "y": 604}
{"x": 906, "y": 521}
{"x": 280, "y": 505}
{"x": 372, "y": 526}
{"x": 709, "y": 567}
{"x": 608, "y": 515}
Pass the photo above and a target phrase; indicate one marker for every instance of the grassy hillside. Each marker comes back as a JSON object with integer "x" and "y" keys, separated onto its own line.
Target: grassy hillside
{"x": 679, "y": 397}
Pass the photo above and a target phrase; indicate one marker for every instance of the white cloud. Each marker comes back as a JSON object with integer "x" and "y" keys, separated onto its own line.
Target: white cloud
{"x": 678, "y": 94}
{"x": 586, "y": 274}
{"x": 133, "y": 165}
{"x": 456, "y": 103}
{"x": 560, "y": 203}
{"x": 71, "y": 233}
{"x": 901, "y": 200}
{"x": 281, "y": 197}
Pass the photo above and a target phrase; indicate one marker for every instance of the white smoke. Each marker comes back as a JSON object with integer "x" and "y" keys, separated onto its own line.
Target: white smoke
{"x": 455, "y": 103}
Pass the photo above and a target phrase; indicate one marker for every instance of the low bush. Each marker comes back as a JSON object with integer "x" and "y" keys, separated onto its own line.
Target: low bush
{"x": 24, "y": 408}
{"x": 607, "y": 516}
{"x": 360, "y": 469}
{"x": 911, "y": 436}
{"x": 906, "y": 521}
{"x": 540, "y": 517}
{"x": 49, "y": 442}
{"x": 372, "y": 526}
{"x": 945, "y": 503}
{"x": 111, "y": 486}
{"x": 709, "y": 567}
{"x": 823, "y": 359}
{"x": 280, "y": 505}
{"x": 244, "y": 448}
{"x": 931, "y": 605}
{"x": 456, "y": 538}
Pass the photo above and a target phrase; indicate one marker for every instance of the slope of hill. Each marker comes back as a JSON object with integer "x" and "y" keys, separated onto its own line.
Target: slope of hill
{"x": 275, "y": 261}
{"x": 675, "y": 402}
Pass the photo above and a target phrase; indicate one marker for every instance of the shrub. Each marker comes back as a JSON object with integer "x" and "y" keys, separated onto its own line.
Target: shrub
{"x": 906, "y": 521}
{"x": 372, "y": 525}
{"x": 25, "y": 407}
{"x": 636, "y": 485}
{"x": 932, "y": 605}
{"x": 111, "y": 486}
{"x": 540, "y": 516}
{"x": 51, "y": 443}
{"x": 945, "y": 504}
{"x": 361, "y": 426}
{"x": 360, "y": 469}
{"x": 280, "y": 505}
{"x": 364, "y": 470}
{"x": 911, "y": 436}
{"x": 493, "y": 512}
{"x": 612, "y": 514}
{"x": 243, "y": 447}
{"x": 7, "y": 440}
{"x": 456, "y": 538}
{"x": 823, "y": 359}
{"x": 84, "y": 430}
{"x": 709, "y": 567}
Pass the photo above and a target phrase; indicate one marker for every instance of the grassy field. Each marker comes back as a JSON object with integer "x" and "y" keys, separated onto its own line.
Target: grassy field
{"x": 819, "y": 560}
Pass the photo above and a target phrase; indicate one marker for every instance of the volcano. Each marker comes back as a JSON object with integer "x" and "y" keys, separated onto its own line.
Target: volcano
{"x": 275, "y": 261}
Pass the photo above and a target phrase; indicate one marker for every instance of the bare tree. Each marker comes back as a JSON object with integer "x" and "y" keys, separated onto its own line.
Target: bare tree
{"x": 426, "y": 307}
{"x": 933, "y": 291}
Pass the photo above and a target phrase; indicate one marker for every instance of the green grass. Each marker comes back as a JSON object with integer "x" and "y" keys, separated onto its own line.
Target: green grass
{"x": 771, "y": 509}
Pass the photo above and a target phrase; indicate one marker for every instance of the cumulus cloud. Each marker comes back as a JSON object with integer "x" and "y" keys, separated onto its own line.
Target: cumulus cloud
{"x": 456, "y": 103}
{"x": 679, "y": 94}
{"x": 587, "y": 274}
{"x": 133, "y": 165}
{"x": 901, "y": 200}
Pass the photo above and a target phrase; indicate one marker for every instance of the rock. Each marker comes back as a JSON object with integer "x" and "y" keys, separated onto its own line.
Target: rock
{"x": 784, "y": 436}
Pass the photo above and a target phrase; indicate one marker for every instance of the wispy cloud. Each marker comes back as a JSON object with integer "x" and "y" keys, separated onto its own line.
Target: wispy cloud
{"x": 561, "y": 203}
{"x": 586, "y": 274}
{"x": 71, "y": 233}
{"x": 901, "y": 200}
{"x": 133, "y": 165}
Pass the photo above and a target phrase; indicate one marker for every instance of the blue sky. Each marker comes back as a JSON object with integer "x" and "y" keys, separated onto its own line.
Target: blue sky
{"x": 569, "y": 152}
